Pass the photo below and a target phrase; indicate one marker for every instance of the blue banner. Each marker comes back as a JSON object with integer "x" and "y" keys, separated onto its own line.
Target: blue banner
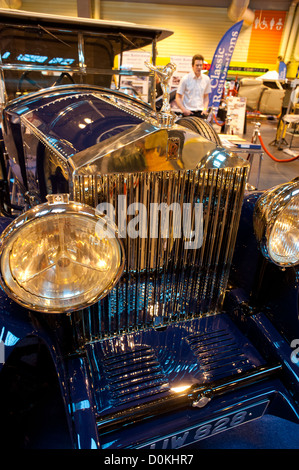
{"x": 220, "y": 64}
{"x": 282, "y": 71}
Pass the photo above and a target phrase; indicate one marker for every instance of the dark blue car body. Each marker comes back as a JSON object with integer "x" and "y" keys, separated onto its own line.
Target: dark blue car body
{"x": 104, "y": 377}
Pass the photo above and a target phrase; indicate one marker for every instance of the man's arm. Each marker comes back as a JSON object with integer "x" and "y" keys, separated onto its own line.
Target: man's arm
{"x": 206, "y": 103}
{"x": 179, "y": 102}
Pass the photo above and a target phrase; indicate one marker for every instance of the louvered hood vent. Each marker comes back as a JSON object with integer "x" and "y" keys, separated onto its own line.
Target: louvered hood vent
{"x": 151, "y": 365}
{"x": 134, "y": 373}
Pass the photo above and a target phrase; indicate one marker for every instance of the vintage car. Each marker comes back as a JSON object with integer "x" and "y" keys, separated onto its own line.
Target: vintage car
{"x": 148, "y": 299}
{"x": 263, "y": 95}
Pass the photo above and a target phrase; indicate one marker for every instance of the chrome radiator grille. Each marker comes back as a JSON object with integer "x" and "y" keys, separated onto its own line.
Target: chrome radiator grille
{"x": 164, "y": 281}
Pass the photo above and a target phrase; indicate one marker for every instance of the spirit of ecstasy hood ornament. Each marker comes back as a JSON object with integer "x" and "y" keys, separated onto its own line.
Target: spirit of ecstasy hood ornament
{"x": 165, "y": 116}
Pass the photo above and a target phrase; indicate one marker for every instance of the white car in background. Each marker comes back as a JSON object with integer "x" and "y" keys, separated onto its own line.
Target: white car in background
{"x": 262, "y": 94}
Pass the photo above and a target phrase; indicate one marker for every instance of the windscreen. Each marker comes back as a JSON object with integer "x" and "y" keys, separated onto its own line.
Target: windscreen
{"x": 34, "y": 58}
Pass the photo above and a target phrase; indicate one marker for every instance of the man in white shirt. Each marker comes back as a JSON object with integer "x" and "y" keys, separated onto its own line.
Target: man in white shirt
{"x": 192, "y": 95}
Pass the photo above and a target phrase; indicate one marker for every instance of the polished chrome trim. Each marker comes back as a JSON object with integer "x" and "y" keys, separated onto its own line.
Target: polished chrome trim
{"x": 186, "y": 399}
{"x": 40, "y": 135}
{"x": 40, "y": 68}
{"x": 46, "y": 210}
{"x": 165, "y": 117}
{"x": 268, "y": 208}
{"x": 71, "y": 89}
{"x": 196, "y": 152}
{"x": 81, "y": 55}
{"x": 164, "y": 281}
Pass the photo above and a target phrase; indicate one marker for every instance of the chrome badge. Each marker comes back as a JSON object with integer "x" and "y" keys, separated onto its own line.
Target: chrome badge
{"x": 173, "y": 147}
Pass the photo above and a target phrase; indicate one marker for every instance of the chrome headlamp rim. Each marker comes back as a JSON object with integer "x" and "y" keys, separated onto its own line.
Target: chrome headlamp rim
{"x": 268, "y": 209}
{"x": 46, "y": 211}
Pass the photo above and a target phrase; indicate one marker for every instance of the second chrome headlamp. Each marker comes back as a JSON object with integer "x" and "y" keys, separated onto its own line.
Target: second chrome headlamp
{"x": 59, "y": 257}
{"x": 276, "y": 224}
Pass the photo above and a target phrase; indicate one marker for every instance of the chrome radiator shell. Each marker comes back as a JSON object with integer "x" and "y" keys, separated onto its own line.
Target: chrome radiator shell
{"x": 163, "y": 281}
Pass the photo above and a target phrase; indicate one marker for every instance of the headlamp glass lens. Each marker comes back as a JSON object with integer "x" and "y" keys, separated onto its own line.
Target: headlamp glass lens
{"x": 60, "y": 262}
{"x": 284, "y": 237}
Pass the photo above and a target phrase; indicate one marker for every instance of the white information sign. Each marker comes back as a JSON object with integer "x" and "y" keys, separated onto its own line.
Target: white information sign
{"x": 183, "y": 66}
{"x": 135, "y": 60}
{"x": 236, "y": 110}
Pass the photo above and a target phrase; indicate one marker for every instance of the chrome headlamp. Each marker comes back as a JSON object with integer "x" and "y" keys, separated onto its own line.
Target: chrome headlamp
{"x": 59, "y": 257}
{"x": 276, "y": 224}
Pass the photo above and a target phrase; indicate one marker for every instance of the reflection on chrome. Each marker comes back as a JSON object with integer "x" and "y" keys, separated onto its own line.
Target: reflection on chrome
{"x": 55, "y": 261}
{"x": 276, "y": 224}
{"x": 163, "y": 281}
{"x": 180, "y": 388}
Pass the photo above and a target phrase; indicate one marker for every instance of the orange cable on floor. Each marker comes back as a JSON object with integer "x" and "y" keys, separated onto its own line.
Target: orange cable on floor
{"x": 274, "y": 158}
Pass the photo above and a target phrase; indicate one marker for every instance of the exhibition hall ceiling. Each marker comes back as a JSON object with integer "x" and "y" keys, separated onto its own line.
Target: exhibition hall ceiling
{"x": 253, "y": 4}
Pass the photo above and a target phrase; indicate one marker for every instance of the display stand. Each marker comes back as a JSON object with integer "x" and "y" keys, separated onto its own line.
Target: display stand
{"x": 236, "y": 111}
{"x": 291, "y": 119}
{"x": 252, "y": 149}
{"x": 287, "y": 118}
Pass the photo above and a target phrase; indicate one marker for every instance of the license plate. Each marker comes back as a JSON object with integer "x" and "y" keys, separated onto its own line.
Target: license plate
{"x": 208, "y": 428}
